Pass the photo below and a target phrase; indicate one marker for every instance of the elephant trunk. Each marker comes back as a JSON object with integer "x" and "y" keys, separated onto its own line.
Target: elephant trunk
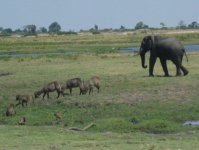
{"x": 142, "y": 55}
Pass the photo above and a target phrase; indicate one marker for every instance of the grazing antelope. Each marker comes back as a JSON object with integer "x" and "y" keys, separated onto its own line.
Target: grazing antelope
{"x": 72, "y": 83}
{"x": 23, "y": 99}
{"x": 89, "y": 85}
{"x": 50, "y": 87}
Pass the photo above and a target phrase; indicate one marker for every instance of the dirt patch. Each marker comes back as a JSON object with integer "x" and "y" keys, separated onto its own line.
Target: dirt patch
{"x": 163, "y": 94}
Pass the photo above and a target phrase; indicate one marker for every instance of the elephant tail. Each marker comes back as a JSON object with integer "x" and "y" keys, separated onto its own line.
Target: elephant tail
{"x": 186, "y": 55}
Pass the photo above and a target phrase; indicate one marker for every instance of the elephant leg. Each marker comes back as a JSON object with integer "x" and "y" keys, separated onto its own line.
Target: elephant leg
{"x": 184, "y": 70}
{"x": 164, "y": 66}
{"x": 151, "y": 65}
{"x": 178, "y": 71}
{"x": 177, "y": 61}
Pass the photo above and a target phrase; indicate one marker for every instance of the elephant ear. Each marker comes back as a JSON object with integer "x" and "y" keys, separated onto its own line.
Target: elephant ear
{"x": 151, "y": 42}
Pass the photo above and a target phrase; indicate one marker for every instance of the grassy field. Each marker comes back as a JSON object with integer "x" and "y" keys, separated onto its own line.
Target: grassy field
{"x": 100, "y": 43}
{"x": 132, "y": 110}
{"x": 55, "y": 138}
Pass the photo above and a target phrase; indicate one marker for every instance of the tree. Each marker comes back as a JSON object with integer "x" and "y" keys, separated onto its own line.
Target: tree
{"x": 18, "y": 31}
{"x": 122, "y": 28}
{"x": 42, "y": 30}
{"x": 1, "y": 29}
{"x": 163, "y": 26}
{"x": 181, "y": 25}
{"x": 54, "y": 28}
{"x": 6, "y": 32}
{"x": 193, "y": 25}
{"x": 141, "y": 25}
{"x": 30, "y": 29}
{"x": 96, "y": 27}
{"x": 95, "y": 30}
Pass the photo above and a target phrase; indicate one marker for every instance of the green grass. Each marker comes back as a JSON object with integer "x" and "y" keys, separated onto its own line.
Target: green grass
{"x": 55, "y": 138}
{"x": 74, "y": 43}
{"x": 84, "y": 43}
{"x": 132, "y": 110}
{"x": 125, "y": 92}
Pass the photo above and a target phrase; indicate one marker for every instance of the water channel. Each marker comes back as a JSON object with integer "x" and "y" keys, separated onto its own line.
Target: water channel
{"x": 189, "y": 48}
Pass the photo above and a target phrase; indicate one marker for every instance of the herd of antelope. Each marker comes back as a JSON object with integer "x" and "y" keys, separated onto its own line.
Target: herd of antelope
{"x": 84, "y": 87}
{"x": 70, "y": 84}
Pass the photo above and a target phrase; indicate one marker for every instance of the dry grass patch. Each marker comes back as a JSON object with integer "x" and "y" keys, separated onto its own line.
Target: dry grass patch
{"x": 167, "y": 93}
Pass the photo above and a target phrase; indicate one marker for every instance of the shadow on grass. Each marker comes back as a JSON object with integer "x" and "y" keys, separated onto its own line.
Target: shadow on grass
{"x": 159, "y": 76}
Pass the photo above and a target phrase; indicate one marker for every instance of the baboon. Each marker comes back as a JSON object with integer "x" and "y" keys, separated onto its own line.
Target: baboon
{"x": 58, "y": 115}
{"x": 10, "y": 110}
{"x": 89, "y": 85}
{"x": 23, "y": 99}
{"x": 22, "y": 121}
{"x": 50, "y": 87}
{"x": 73, "y": 83}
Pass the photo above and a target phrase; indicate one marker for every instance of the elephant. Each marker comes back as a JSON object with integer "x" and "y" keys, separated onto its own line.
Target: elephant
{"x": 166, "y": 49}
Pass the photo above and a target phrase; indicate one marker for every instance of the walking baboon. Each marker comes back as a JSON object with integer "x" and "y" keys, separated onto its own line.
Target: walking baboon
{"x": 89, "y": 85}
{"x": 22, "y": 121}
{"x": 23, "y": 99}
{"x": 50, "y": 87}
{"x": 10, "y": 110}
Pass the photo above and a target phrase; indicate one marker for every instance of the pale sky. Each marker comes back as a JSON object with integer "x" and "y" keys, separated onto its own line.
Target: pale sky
{"x": 84, "y": 14}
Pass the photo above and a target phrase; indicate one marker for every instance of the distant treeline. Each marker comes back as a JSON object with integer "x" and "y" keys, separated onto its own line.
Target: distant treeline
{"x": 55, "y": 28}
